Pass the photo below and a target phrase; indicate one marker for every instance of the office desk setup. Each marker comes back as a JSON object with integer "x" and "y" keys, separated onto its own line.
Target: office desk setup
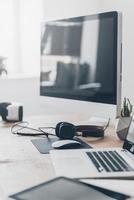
{"x": 22, "y": 166}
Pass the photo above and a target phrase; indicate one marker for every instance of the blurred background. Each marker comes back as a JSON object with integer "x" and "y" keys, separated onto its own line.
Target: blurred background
{"x": 20, "y": 48}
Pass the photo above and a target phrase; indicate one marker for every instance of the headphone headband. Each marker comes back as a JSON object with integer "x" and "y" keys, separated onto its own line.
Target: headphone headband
{"x": 66, "y": 130}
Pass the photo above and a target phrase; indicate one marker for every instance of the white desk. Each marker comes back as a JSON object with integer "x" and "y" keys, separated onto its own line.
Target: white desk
{"x": 22, "y": 166}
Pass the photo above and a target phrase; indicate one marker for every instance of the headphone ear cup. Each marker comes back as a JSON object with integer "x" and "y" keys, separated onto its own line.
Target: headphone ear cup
{"x": 57, "y": 129}
{"x": 65, "y": 130}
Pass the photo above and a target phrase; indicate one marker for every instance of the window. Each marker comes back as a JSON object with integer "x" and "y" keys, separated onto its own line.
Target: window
{"x": 20, "y": 37}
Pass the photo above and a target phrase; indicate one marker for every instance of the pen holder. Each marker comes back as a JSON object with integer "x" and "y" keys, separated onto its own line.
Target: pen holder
{"x": 122, "y": 128}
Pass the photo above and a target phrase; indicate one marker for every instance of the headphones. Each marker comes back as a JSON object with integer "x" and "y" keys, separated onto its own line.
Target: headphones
{"x": 66, "y": 130}
{"x": 63, "y": 130}
{"x": 11, "y": 112}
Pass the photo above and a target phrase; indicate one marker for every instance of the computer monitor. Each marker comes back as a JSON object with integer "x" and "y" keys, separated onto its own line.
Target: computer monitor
{"x": 81, "y": 58}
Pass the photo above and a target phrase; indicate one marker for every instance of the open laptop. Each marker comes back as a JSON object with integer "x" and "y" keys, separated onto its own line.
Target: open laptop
{"x": 97, "y": 163}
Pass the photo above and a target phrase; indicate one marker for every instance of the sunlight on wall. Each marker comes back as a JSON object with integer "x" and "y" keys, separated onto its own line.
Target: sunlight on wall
{"x": 7, "y": 34}
{"x": 20, "y": 36}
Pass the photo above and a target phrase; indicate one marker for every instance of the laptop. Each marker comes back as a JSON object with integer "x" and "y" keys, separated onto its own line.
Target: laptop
{"x": 97, "y": 163}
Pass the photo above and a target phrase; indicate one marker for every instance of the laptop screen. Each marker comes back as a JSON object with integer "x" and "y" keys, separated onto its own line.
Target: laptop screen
{"x": 129, "y": 142}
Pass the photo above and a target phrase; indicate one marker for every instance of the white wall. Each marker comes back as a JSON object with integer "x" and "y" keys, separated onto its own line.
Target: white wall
{"x": 63, "y": 8}
{"x": 8, "y": 39}
{"x": 27, "y": 91}
{"x": 31, "y": 14}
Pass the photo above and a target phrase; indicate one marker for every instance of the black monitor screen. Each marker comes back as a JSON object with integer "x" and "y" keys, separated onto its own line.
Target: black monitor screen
{"x": 79, "y": 58}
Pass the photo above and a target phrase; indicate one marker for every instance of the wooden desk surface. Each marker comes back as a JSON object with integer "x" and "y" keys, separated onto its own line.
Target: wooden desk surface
{"x": 22, "y": 166}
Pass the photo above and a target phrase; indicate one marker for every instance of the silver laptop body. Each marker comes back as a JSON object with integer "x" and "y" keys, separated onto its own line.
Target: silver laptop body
{"x": 93, "y": 163}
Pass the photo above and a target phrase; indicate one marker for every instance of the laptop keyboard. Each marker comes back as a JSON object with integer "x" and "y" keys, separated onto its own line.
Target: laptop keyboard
{"x": 109, "y": 161}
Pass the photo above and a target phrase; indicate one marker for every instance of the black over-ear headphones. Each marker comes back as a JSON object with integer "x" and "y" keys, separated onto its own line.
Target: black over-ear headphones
{"x": 65, "y": 130}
